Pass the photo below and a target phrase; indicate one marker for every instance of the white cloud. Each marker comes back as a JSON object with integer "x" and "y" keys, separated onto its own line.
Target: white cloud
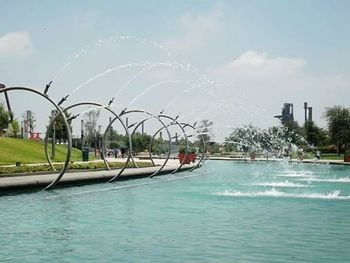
{"x": 15, "y": 44}
{"x": 253, "y": 63}
{"x": 197, "y": 29}
{"x": 257, "y": 85}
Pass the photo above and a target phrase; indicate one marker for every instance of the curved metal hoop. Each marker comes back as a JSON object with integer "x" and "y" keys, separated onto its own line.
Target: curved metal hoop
{"x": 174, "y": 122}
{"x": 170, "y": 146}
{"x": 86, "y": 103}
{"x": 203, "y": 142}
{"x": 130, "y": 156}
{"x": 60, "y": 112}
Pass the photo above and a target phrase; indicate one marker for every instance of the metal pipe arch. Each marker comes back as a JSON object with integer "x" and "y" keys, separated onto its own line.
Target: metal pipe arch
{"x": 151, "y": 115}
{"x": 86, "y": 103}
{"x": 174, "y": 122}
{"x": 69, "y": 145}
{"x": 203, "y": 141}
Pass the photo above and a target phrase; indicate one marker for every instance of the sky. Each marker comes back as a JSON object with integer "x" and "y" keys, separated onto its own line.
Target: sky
{"x": 233, "y": 62}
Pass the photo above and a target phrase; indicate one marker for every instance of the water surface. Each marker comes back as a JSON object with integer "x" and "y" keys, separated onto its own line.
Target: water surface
{"x": 223, "y": 212}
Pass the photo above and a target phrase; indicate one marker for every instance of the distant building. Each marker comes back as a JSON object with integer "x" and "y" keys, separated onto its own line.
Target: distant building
{"x": 287, "y": 113}
{"x": 308, "y": 112}
{"x": 27, "y": 124}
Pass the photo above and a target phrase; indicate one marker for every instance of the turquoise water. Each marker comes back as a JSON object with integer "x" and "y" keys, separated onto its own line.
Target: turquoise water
{"x": 223, "y": 212}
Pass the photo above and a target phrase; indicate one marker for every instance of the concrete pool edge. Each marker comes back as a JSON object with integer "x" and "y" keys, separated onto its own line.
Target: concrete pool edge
{"x": 324, "y": 161}
{"x": 79, "y": 178}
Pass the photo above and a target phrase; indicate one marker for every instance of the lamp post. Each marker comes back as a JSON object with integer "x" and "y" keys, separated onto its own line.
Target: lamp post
{"x": 54, "y": 140}
{"x": 82, "y": 134}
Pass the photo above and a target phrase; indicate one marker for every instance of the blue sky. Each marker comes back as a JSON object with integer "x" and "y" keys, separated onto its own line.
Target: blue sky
{"x": 264, "y": 53}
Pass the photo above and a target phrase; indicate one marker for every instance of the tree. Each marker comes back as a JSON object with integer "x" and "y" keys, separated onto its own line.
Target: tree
{"x": 159, "y": 146}
{"x": 15, "y": 127}
{"x": 90, "y": 119}
{"x": 205, "y": 129}
{"x": 338, "y": 118}
{"x": 246, "y": 139}
{"x": 314, "y": 135}
{"x": 140, "y": 142}
{"x": 293, "y": 132}
{"x": 60, "y": 128}
{"x": 4, "y": 119}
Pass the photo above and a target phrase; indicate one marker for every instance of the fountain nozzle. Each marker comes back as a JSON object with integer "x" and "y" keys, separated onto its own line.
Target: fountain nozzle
{"x": 131, "y": 125}
{"x": 110, "y": 102}
{"x": 63, "y": 100}
{"x": 47, "y": 87}
{"x": 123, "y": 111}
{"x": 73, "y": 117}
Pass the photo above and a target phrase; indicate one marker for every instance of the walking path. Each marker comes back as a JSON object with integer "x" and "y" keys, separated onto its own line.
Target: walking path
{"x": 81, "y": 177}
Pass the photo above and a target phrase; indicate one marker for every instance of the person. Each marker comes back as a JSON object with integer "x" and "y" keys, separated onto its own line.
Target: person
{"x": 115, "y": 153}
{"x": 300, "y": 155}
{"x": 123, "y": 151}
{"x": 318, "y": 155}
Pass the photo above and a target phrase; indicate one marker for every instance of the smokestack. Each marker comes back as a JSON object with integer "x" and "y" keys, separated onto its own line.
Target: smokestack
{"x": 305, "y": 108}
{"x": 310, "y": 113}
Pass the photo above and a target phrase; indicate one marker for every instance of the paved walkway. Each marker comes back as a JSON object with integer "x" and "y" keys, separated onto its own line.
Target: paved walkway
{"x": 81, "y": 177}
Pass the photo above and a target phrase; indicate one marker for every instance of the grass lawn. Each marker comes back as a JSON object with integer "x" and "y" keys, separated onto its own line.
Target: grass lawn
{"x": 332, "y": 156}
{"x": 28, "y": 151}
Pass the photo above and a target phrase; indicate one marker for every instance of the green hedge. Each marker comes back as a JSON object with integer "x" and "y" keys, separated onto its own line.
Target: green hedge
{"x": 71, "y": 166}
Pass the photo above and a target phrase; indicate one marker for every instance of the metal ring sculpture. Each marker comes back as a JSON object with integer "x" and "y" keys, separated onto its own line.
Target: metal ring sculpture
{"x": 130, "y": 156}
{"x": 203, "y": 142}
{"x": 87, "y": 103}
{"x": 60, "y": 112}
{"x": 117, "y": 117}
{"x": 170, "y": 146}
{"x": 174, "y": 122}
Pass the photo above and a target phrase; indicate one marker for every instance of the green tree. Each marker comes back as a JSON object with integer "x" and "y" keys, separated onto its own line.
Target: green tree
{"x": 140, "y": 142}
{"x": 4, "y": 119}
{"x": 205, "y": 128}
{"x": 314, "y": 135}
{"x": 116, "y": 140}
{"x": 159, "y": 146}
{"x": 245, "y": 138}
{"x": 15, "y": 127}
{"x": 338, "y": 118}
{"x": 293, "y": 132}
{"x": 206, "y": 131}
{"x": 90, "y": 126}
{"x": 60, "y": 128}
